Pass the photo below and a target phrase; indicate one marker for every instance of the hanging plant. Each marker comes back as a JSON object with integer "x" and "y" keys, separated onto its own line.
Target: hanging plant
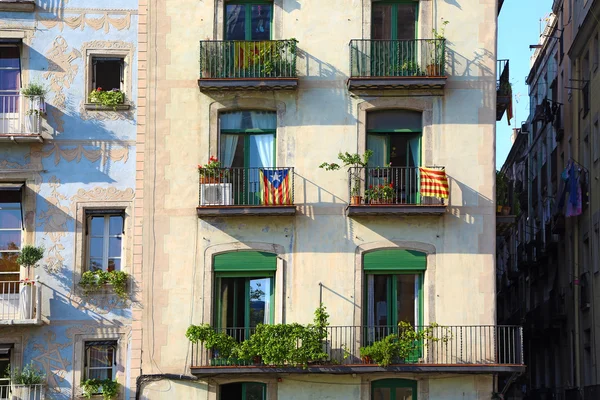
{"x": 108, "y": 98}
{"x": 108, "y": 387}
{"x": 93, "y": 280}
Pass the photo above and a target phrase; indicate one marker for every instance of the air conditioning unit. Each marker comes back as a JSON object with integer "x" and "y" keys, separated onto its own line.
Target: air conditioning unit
{"x": 216, "y": 194}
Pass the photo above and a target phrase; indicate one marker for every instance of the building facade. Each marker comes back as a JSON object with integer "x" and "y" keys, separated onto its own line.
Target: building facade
{"x": 68, "y": 100}
{"x": 549, "y": 258}
{"x": 261, "y": 94}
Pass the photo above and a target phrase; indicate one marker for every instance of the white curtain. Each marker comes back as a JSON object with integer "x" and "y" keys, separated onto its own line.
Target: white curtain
{"x": 228, "y": 145}
{"x": 231, "y": 120}
{"x": 263, "y": 120}
{"x": 261, "y": 150}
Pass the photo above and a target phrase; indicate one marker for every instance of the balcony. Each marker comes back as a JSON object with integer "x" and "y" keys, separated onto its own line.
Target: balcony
{"x": 392, "y": 191}
{"x": 17, "y": 5}
{"x": 397, "y": 64}
{"x": 248, "y": 65}
{"x": 21, "y": 118}
{"x": 246, "y": 191}
{"x": 448, "y": 349}
{"x": 23, "y": 392}
{"x": 20, "y": 303}
{"x": 503, "y": 88}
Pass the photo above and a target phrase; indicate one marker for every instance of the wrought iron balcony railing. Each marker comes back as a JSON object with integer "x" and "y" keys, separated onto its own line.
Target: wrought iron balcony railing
{"x": 397, "y": 58}
{"x": 222, "y": 187}
{"x": 20, "y": 301}
{"x": 229, "y": 59}
{"x": 21, "y": 114}
{"x": 447, "y": 346}
{"x": 388, "y": 185}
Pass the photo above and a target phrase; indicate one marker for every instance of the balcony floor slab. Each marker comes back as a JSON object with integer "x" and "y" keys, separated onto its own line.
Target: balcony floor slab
{"x": 225, "y": 84}
{"x": 235, "y": 211}
{"x": 400, "y": 82}
{"x": 395, "y": 209}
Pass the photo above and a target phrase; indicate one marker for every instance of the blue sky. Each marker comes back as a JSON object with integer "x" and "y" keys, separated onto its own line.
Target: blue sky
{"x": 518, "y": 27}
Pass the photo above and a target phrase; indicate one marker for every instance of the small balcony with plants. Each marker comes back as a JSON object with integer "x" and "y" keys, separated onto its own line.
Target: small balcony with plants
{"x": 27, "y": 383}
{"x": 237, "y": 191}
{"x": 21, "y": 114}
{"x": 248, "y": 65}
{"x": 321, "y": 348}
{"x": 503, "y": 89}
{"x": 397, "y": 64}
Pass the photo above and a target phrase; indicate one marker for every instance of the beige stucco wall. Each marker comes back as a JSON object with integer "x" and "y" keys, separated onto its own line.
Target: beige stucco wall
{"x": 315, "y": 122}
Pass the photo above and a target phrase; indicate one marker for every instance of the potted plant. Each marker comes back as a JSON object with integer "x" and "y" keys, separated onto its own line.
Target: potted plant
{"x": 34, "y": 94}
{"x": 383, "y": 193}
{"x": 109, "y": 388}
{"x": 93, "y": 280}
{"x": 27, "y": 383}
{"x": 211, "y": 172}
{"x": 108, "y": 98}
{"x": 28, "y": 257}
{"x": 356, "y": 162}
{"x": 437, "y": 50}
{"x": 502, "y": 193}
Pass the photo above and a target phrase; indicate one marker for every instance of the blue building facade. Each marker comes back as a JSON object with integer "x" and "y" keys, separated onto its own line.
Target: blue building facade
{"x": 68, "y": 100}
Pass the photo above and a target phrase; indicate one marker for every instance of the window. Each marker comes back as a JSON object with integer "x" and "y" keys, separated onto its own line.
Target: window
{"x": 244, "y": 291}
{"x": 100, "y": 359}
{"x": 105, "y": 234}
{"x": 108, "y": 73}
{"x": 10, "y": 84}
{"x": 394, "y": 21}
{"x": 394, "y": 389}
{"x": 394, "y": 136}
{"x": 5, "y": 367}
{"x": 248, "y": 20}
{"x": 243, "y": 391}
{"x": 11, "y": 219}
{"x": 247, "y": 144}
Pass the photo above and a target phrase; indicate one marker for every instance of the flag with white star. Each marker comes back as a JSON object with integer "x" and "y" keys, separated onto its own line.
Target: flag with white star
{"x": 276, "y": 186}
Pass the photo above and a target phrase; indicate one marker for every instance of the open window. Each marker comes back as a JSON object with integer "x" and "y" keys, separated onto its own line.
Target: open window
{"x": 5, "y": 352}
{"x": 104, "y": 231}
{"x": 10, "y": 85}
{"x": 108, "y": 73}
{"x": 11, "y": 228}
{"x": 243, "y": 391}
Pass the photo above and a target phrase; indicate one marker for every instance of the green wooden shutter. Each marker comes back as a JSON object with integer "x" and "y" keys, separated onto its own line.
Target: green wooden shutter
{"x": 394, "y": 260}
{"x": 242, "y": 261}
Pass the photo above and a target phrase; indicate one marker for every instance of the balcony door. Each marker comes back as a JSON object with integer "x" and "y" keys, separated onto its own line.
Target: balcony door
{"x": 10, "y": 84}
{"x": 247, "y": 144}
{"x": 394, "y": 136}
{"x": 394, "y": 28}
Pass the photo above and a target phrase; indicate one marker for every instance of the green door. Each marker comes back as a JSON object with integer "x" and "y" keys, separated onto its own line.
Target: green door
{"x": 394, "y": 28}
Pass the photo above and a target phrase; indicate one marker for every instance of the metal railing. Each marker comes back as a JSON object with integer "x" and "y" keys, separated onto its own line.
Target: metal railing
{"x": 221, "y": 59}
{"x": 246, "y": 186}
{"x": 23, "y": 392}
{"x": 446, "y": 345}
{"x": 20, "y": 301}
{"x": 397, "y": 58}
{"x": 371, "y": 185}
{"x": 21, "y": 114}
{"x": 503, "y": 78}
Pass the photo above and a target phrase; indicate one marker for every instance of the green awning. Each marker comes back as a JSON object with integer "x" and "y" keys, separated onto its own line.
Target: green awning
{"x": 240, "y": 261}
{"x": 396, "y": 259}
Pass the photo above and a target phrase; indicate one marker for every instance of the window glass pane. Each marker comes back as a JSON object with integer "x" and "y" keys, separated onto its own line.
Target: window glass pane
{"x": 382, "y": 394}
{"x": 8, "y": 262}
{"x": 10, "y": 240}
{"x": 260, "y": 297}
{"x": 403, "y": 394}
{"x": 243, "y": 120}
{"x": 380, "y": 305}
{"x": 9, "y": 218}
{"x": 116, "y": 225}
{"x": 114, "y": 264}
{"x": 12, "y": 287}
{"x": 235, "y": 22}
{"x": 261, "y": 22}
{"x": 255, "y": 391}
{"x": 9, "y": 79}
{"x": 10, "y": 57}
{"x": 406, "y": 298}
{"x": 100, "y": 356}
{"x": 406, "y": 21}
{"x": 97, "y": 226}
{"x": 382, "y": 21}
{"x": 394, "y": 119}
{"x": 96, "y": 247}
{"x": 114, "y": 247}
{"x": 95, "y": 263}
{"x": 100, "y": 374}
{"x": 232, "y": 153}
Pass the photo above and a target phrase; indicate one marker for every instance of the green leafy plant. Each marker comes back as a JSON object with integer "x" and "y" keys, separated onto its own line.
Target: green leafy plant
{"x": 400, "y": 346}
{"x": 92, "y": 280}
{"x": 34, "y": 89}
{"x": 212, "y": 169}
{"x": 30, "y": 255}
{"x": 437, "y": 46}
{"x": 501, "y": 188}
{"x": 273, "y": 59}
{"x": 351, "y": 160}
{"x": 407, "y": 68}
{"x": 108, "y": 98}
{"x": 28, "y": 375}
{"x": 384, "y": 192}
{"x": 108, "y": 387}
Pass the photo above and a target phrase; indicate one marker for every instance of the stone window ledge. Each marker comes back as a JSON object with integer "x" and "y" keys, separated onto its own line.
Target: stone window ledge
{"x": 100, "y": 107}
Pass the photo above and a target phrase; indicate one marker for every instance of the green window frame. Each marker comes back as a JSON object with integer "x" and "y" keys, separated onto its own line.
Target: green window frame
{"x": 247, "y": 16}
{"x": 393, "y": 385}
{"x": 246, "y": 391}
{"x": 245, "y": 266}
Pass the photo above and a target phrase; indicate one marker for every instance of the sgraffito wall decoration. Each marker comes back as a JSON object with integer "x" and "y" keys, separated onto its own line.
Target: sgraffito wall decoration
{"x": 52, "y": 362}
{"x": 53, "y": 222}
{"x": 104, "y": 152}
{"x": 96, "y": 19}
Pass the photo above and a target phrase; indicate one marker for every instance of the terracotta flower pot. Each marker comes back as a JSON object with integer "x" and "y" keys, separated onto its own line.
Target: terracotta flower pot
{"x": 355, "y": 200}
{"x": 209, "y": 179}
{"x": 505, "y": 210}
{"x": 432, "y": 70}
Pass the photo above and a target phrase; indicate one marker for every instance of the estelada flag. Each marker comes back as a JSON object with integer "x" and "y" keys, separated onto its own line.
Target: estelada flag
{"x": 276, "y": 186}
{"x": 434, "y": 183}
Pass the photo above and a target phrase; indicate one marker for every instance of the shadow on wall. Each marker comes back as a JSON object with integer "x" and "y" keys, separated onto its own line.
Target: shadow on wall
{"x": 291, "y": 5}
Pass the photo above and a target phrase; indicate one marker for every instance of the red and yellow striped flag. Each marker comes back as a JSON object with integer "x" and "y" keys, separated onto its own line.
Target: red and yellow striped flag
{"x": 434, "y": 183}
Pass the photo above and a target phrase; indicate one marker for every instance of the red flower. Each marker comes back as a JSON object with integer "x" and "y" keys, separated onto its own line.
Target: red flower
{"x": 99, "y": 89}
{"x": 213, "y": 158}
{"x": 391, "y": 185}
{"x": 199, "y": 166}
{"x": 370, "y": 186}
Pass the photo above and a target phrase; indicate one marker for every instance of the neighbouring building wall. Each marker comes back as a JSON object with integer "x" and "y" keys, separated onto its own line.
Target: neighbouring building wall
{"x": 86, "y": 161}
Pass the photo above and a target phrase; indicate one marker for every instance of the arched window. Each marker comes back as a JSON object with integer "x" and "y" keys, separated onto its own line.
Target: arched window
{"x": 394, "y": 389}
{"x": 243, "y": 391}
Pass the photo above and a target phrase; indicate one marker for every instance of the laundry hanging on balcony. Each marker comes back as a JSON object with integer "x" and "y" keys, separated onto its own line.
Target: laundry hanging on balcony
{"x": 574, "y": 182}
{"x": 434, "y": 183}
{"x": 276, "y": 187}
